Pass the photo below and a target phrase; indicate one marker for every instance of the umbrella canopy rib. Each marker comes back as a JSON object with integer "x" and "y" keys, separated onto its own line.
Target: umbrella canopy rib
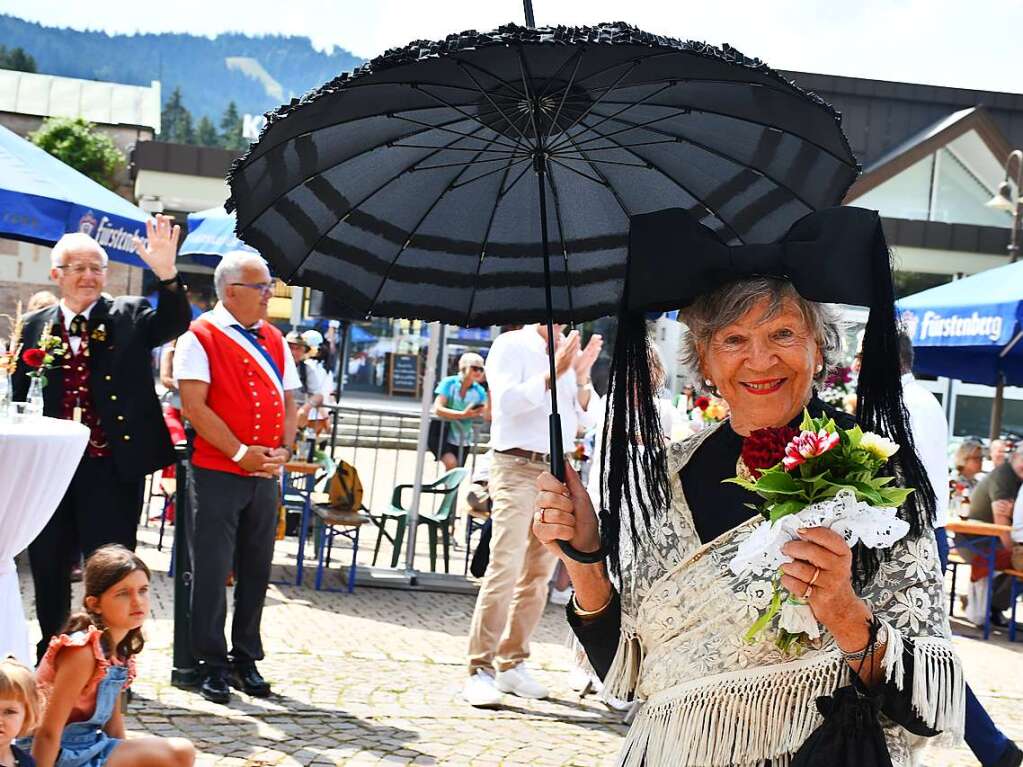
{"x": 485, "y": 241}
{"x": 717, "y": 153}
{"x": 353, "y": 208}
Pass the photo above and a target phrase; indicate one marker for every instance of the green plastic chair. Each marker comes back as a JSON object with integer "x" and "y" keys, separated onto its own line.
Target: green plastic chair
{"x": 436, "y": 521}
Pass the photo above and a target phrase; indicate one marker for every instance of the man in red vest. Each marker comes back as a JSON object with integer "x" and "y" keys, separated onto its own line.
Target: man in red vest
{"x": 236, "y": 379}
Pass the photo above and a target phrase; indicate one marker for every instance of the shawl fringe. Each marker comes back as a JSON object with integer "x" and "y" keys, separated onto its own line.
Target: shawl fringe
{"x": 939, "y": 691}
{"x": 623, "y": 676}
{"x": 739, "y": 718}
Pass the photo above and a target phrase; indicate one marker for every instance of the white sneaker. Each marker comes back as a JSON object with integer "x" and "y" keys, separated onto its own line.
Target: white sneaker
{"x": 560, "y": 596}
{"x": 579, "y": 679}
{"x": 480, "y": 691}
{"x": 518, "y": 682}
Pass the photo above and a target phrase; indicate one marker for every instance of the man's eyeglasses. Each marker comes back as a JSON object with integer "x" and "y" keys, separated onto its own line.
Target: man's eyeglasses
{"x": 78, "y": 269}
{"x": 262, "y": 287}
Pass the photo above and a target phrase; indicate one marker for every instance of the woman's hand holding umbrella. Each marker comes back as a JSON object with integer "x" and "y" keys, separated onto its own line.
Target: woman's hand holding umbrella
{"x": 564, "y": 512}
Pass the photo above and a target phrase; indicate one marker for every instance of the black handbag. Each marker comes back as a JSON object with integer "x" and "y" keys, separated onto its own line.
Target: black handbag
{"x": 851, "y": 734}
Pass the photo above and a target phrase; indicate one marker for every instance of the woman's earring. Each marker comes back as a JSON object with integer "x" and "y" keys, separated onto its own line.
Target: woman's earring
{"x": 708, "y": 383}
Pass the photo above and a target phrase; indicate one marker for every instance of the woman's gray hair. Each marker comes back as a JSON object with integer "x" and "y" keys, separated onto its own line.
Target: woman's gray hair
{"x": 230, "y": 269}
{"x": 720, "y": 308}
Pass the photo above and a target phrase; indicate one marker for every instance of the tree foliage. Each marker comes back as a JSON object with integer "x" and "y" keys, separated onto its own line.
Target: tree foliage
{"x": 76, "y": 142}
{"x": 231, "y": 128}
{"x": 206, "y": 133}
{"x": 176, "y": 121}
{"x": 16, "y": 59}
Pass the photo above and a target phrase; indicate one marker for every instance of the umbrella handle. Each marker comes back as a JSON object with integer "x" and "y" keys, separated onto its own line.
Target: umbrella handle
{"x": 558, "y": 470}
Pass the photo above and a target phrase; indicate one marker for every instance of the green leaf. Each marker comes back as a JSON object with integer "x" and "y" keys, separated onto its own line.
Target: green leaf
{"x": 807, "y": 422}
{"x": 855, "y": 435}
{"x": 764, "y": 620}
{"x": 778, "y": 482}
{"x": 743, "y": 483}
{"x": 784, "y": 508}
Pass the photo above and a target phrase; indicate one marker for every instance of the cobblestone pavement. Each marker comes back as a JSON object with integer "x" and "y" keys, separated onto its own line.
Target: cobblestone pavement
{"x": 374, "y": 677}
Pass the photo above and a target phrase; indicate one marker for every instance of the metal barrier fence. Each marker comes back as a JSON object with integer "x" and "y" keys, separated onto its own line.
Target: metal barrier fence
{"x": 381, "y": 445}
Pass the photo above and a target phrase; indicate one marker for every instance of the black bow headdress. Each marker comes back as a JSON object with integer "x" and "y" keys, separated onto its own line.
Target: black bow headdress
{"x": 836, "y": 255}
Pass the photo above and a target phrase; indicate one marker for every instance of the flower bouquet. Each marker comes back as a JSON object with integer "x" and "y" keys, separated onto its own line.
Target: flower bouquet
{"x": 818, "y": 476}
{"x": 710, "y": 409}
{"x": 838, "y": 387}
{"x": 43, "y": 357}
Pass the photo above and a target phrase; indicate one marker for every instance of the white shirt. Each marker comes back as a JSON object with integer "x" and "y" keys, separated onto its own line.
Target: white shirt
{"x": 318, "y": 381}
{"x": 520, "y": 402}
{"x": 192, "y": 364}
{"x": 68, "y": 315}
{"x": 929, "y": 428}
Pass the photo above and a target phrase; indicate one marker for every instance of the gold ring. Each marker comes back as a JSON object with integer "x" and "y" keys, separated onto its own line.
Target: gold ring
{"x": 816, "y": 575}
{"x": 542, "y": 520}
{"x": 808, "y": 592}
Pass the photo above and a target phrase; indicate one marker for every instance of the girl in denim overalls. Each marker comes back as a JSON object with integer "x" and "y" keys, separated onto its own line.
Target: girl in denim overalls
{"x": 85, "y": 669}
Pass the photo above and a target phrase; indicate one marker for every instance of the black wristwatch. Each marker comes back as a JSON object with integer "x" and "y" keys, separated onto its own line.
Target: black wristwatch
{"x": 175, "y": 280}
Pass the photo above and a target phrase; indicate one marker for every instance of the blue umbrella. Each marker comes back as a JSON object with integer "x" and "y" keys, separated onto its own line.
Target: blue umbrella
{"x": 42, "y": 198}
{"x": 970, "y": 329}
{"x": 211, "y": 235}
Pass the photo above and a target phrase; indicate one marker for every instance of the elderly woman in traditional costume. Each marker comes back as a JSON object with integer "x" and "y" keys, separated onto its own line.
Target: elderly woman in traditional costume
{"x": 663, "y": 617}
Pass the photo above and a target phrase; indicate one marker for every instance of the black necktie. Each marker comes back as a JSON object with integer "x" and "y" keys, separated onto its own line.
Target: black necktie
{"x": 78, "y": 326}
{"x": 252, "y": 332}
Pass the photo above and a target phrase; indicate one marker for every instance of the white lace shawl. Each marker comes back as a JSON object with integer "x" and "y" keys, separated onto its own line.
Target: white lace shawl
{"x": 708, "y": 698}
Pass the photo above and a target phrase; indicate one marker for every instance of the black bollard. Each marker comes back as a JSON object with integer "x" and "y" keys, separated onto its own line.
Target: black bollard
{"x": 185, "y": 672}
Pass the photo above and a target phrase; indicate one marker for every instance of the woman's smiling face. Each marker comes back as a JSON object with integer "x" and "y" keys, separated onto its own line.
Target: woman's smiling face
{"x": 763, "y": 366}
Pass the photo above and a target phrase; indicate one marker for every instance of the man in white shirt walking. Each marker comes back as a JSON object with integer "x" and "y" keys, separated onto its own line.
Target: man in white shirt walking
{"x": 513, "y": 594}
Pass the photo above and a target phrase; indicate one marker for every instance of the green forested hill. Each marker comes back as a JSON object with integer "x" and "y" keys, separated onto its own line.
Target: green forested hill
{"x": 257, "y": 73}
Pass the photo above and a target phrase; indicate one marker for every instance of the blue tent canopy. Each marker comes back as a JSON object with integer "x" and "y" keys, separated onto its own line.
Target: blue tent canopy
{"x": 211, "y": 235}
{"x": 970, "y": 329}
{"x": 42, "y": 198}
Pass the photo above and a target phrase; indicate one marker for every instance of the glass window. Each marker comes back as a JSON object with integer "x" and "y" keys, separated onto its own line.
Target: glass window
{"x": 960, "y": 196}
{"x": 908, "y": 283}
{"x": 906, "y": 195}
{"x": 973, "y": 416}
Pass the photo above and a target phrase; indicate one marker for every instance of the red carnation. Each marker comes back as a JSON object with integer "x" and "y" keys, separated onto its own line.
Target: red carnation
{"x": 702, "y": 402}
{"x": 33, "y": 357}
{"x": 765, "y": 448}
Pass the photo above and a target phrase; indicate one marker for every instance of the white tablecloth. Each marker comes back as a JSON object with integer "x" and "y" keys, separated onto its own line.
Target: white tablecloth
{"x": 37, "y": 460}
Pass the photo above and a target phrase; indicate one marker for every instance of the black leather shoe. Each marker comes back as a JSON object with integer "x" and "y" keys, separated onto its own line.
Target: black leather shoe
{"x": 246, "y": 677}
{"x": 214, "y": 687}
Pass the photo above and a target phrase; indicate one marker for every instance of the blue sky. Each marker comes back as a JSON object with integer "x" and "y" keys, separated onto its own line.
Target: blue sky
{"x": 961, "y": 43}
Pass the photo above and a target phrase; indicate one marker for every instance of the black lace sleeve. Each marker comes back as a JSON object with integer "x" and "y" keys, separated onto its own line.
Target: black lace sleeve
{"x": 897, "y": 704}
{"x": 599, "y": 635}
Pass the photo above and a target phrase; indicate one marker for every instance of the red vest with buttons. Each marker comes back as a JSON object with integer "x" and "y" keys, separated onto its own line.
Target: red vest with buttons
{"x": 76, "y": 393}
{"x": 241, "y": 392}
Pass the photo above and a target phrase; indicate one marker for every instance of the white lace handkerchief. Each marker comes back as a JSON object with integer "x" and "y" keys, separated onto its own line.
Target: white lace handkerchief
{"x": 856, "y": 521}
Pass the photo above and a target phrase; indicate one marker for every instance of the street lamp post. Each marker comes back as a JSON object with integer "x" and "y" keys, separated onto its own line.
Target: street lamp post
{"x": 1004, "y": 200}
{"x": 1012, "y": 202}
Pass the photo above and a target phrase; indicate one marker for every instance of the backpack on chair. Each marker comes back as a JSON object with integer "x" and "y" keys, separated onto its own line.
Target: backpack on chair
{"x": 345, "y": 488}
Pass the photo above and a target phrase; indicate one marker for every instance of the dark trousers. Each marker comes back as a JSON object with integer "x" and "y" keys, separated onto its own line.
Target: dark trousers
{"x": 983, "y": 737}
{"x": 235, "y": 525}
{"x": 98, "y": 508}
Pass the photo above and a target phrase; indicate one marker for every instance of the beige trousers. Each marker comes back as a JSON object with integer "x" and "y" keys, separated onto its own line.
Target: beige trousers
{"x": 514, "y": 591}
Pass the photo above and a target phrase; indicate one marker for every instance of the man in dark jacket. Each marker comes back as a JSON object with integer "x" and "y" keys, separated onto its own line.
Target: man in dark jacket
{"x": 101, "y": 376}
